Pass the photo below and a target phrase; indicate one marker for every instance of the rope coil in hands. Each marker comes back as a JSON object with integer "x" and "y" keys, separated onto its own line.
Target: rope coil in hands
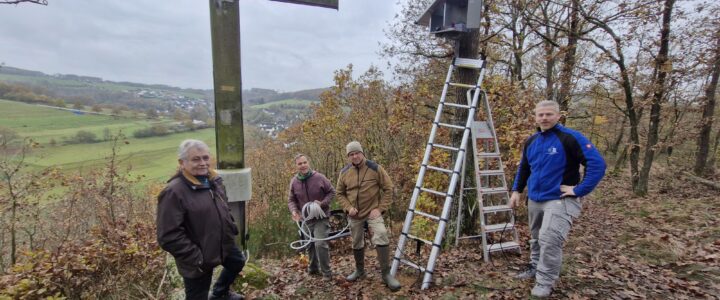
{"x": 311, "y": 210}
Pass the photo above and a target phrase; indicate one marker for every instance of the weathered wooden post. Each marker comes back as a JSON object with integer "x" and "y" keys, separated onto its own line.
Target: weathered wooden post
{"x": 225, "y": 33}
{"x": 230, "y": 142}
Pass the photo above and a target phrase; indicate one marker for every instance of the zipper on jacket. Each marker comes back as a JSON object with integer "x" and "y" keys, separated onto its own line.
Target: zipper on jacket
{"x": 357, "y": 195}
{"x": 222, "y": 223}
{"x": 307, "y": 194}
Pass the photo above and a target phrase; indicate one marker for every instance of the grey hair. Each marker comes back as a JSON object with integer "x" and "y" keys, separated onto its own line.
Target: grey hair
{"x": 548, "y": 103}
{"x": 299, "y": 155}
{"x": 188, "y": 144}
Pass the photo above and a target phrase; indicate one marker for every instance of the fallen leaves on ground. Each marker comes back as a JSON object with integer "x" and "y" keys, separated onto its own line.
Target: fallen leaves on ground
{"x": 664, "y": 246}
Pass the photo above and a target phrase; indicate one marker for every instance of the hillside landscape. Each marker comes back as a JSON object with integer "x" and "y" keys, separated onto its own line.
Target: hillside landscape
{"x": 52, "y": 109}
{"x": 598, "y": 117}
{"x": 268, "y": 109}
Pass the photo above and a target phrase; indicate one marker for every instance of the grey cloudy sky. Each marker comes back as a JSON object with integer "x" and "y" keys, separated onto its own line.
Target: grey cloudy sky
{"x": 284, "y": 46}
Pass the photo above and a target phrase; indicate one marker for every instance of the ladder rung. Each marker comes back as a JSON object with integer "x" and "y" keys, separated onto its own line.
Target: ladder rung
{"x": 446, "y": 147}
{"x": 499, "y": 227}
{"x": 496, "y": 208}
{"x": 419, "y": 239}
{"x": 462, "y": 85}
{"x": 434, "y": 192}
{"x": 451, "y": 125}
{"x": 412, "y": 264}
{"x": 469, "y": 63}
{"x": 489, "y": 154}
{"x": 456, "y": 105}
{"x": 440, "y": 169}
{"x": 497, "y": 190}
{"x": 427, "y": 215}
{"x": 491, "y": 172}
{"x": 502, "y": 246}
{"x": 470, "y": 237}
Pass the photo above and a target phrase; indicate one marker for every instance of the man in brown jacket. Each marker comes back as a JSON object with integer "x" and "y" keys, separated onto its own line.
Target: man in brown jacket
{"x": 364, "y": 190}
{"x": 194, "y": 224}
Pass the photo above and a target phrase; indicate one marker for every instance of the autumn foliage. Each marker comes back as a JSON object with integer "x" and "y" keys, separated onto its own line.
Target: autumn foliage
{"x": 79, "y": 235}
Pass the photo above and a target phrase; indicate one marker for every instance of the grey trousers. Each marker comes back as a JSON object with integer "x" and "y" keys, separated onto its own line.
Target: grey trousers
{"x": 550, "y": 223}
{"x": 319, "y": 250}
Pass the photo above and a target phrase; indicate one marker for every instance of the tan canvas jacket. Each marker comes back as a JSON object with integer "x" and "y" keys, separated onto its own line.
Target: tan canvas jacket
{"x": 365, "y": 187}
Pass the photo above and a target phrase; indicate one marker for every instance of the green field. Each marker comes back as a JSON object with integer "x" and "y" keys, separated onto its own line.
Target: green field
{"x": 43, "y": 123}
{"x": 286, "y": 102}
{"x": 153, "y": 157}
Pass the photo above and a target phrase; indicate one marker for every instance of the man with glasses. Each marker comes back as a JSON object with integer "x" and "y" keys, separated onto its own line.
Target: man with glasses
{"x": 364, "y": 190}
{"x": 194, "y": 224}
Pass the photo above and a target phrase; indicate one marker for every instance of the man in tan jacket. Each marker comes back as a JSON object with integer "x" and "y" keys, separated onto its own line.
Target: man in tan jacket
{"x": 364, "y": 190}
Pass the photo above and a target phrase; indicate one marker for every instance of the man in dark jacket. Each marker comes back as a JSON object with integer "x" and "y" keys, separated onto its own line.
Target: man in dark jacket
{"x": 550, "y": 167}
{"x": 306, "y": 187}
{"x": 364, "y": 190}
{"x": 195, "y": 226}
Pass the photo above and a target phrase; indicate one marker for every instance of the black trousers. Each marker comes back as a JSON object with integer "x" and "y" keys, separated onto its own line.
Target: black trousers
{"x": 198, "y": 288}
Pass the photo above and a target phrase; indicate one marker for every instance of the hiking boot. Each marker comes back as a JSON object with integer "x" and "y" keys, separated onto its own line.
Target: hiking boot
{"x": 328, "y": 277}
{"x": 529, "y": 273}
{"x": 359, "y": 255}
{"x": 384, "y": 259}
{"x": 541, "y": 290}
{"x": 313, "y": 272}
{"x": 229, "y": 296}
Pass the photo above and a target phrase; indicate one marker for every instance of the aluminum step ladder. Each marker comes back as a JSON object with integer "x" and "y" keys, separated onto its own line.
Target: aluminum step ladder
{"x": 442, "y": 220}
{"x": 497, "y": 219}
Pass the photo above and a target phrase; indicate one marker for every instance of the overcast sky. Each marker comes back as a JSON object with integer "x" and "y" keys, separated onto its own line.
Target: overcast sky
{"x": 285, "y": 46}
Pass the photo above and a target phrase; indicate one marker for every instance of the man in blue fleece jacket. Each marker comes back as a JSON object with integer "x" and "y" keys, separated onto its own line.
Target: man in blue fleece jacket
{"x": 550, "y": 168}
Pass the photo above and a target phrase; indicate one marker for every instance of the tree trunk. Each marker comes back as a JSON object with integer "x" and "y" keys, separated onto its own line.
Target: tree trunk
{"x": 616, "y": 145}
{"x": 569, "y": 60}
{"x": 518, "y": 44}
{"x": 486, "y": 31}
{"x": 662, "y": 67}
{"x": 468, "y": 48}
{"x": 620, "y": 160}
{"x": 549, "y": 71}
{"x": 703, "y": 141}
{"x": 634, "y": 123}
{"x": 713, "y": 158}
{"x": 13, "y": 221}
{"x": 703, "y": 181}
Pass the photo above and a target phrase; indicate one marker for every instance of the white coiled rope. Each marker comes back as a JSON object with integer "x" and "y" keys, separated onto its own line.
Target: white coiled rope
{"x": 311, "y": 210}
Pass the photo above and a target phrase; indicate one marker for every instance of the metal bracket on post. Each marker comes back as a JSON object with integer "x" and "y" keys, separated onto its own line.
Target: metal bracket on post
{"x": 238, "y": 183}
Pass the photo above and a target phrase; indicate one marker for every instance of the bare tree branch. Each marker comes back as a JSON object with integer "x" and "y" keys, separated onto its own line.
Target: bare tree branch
{"x": 41, "y": 2}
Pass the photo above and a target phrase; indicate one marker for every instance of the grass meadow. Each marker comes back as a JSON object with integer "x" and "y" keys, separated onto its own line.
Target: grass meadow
{"x": 285, "y": 102}
{"x": 153, "y": 157}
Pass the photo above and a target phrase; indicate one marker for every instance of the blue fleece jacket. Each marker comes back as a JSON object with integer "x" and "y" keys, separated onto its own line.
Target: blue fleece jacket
{"x": 553, "y": 158}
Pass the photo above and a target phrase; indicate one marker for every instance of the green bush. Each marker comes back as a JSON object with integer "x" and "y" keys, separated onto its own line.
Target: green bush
{"x": 155, "y": 130}
{"x": 83, "y": 137}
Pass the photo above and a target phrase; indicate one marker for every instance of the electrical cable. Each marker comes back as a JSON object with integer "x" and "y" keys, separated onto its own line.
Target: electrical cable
{"x": 310, "y": 211}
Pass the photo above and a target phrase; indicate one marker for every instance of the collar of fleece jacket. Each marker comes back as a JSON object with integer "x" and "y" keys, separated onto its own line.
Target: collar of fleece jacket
{"x": 196, "y": 183}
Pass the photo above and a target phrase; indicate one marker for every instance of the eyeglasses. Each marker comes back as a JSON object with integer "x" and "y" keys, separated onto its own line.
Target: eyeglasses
{"x": 198, "y": 159}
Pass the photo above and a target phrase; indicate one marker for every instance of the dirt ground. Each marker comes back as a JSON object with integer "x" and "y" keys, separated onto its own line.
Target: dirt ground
{"x": 664, "y": 246}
